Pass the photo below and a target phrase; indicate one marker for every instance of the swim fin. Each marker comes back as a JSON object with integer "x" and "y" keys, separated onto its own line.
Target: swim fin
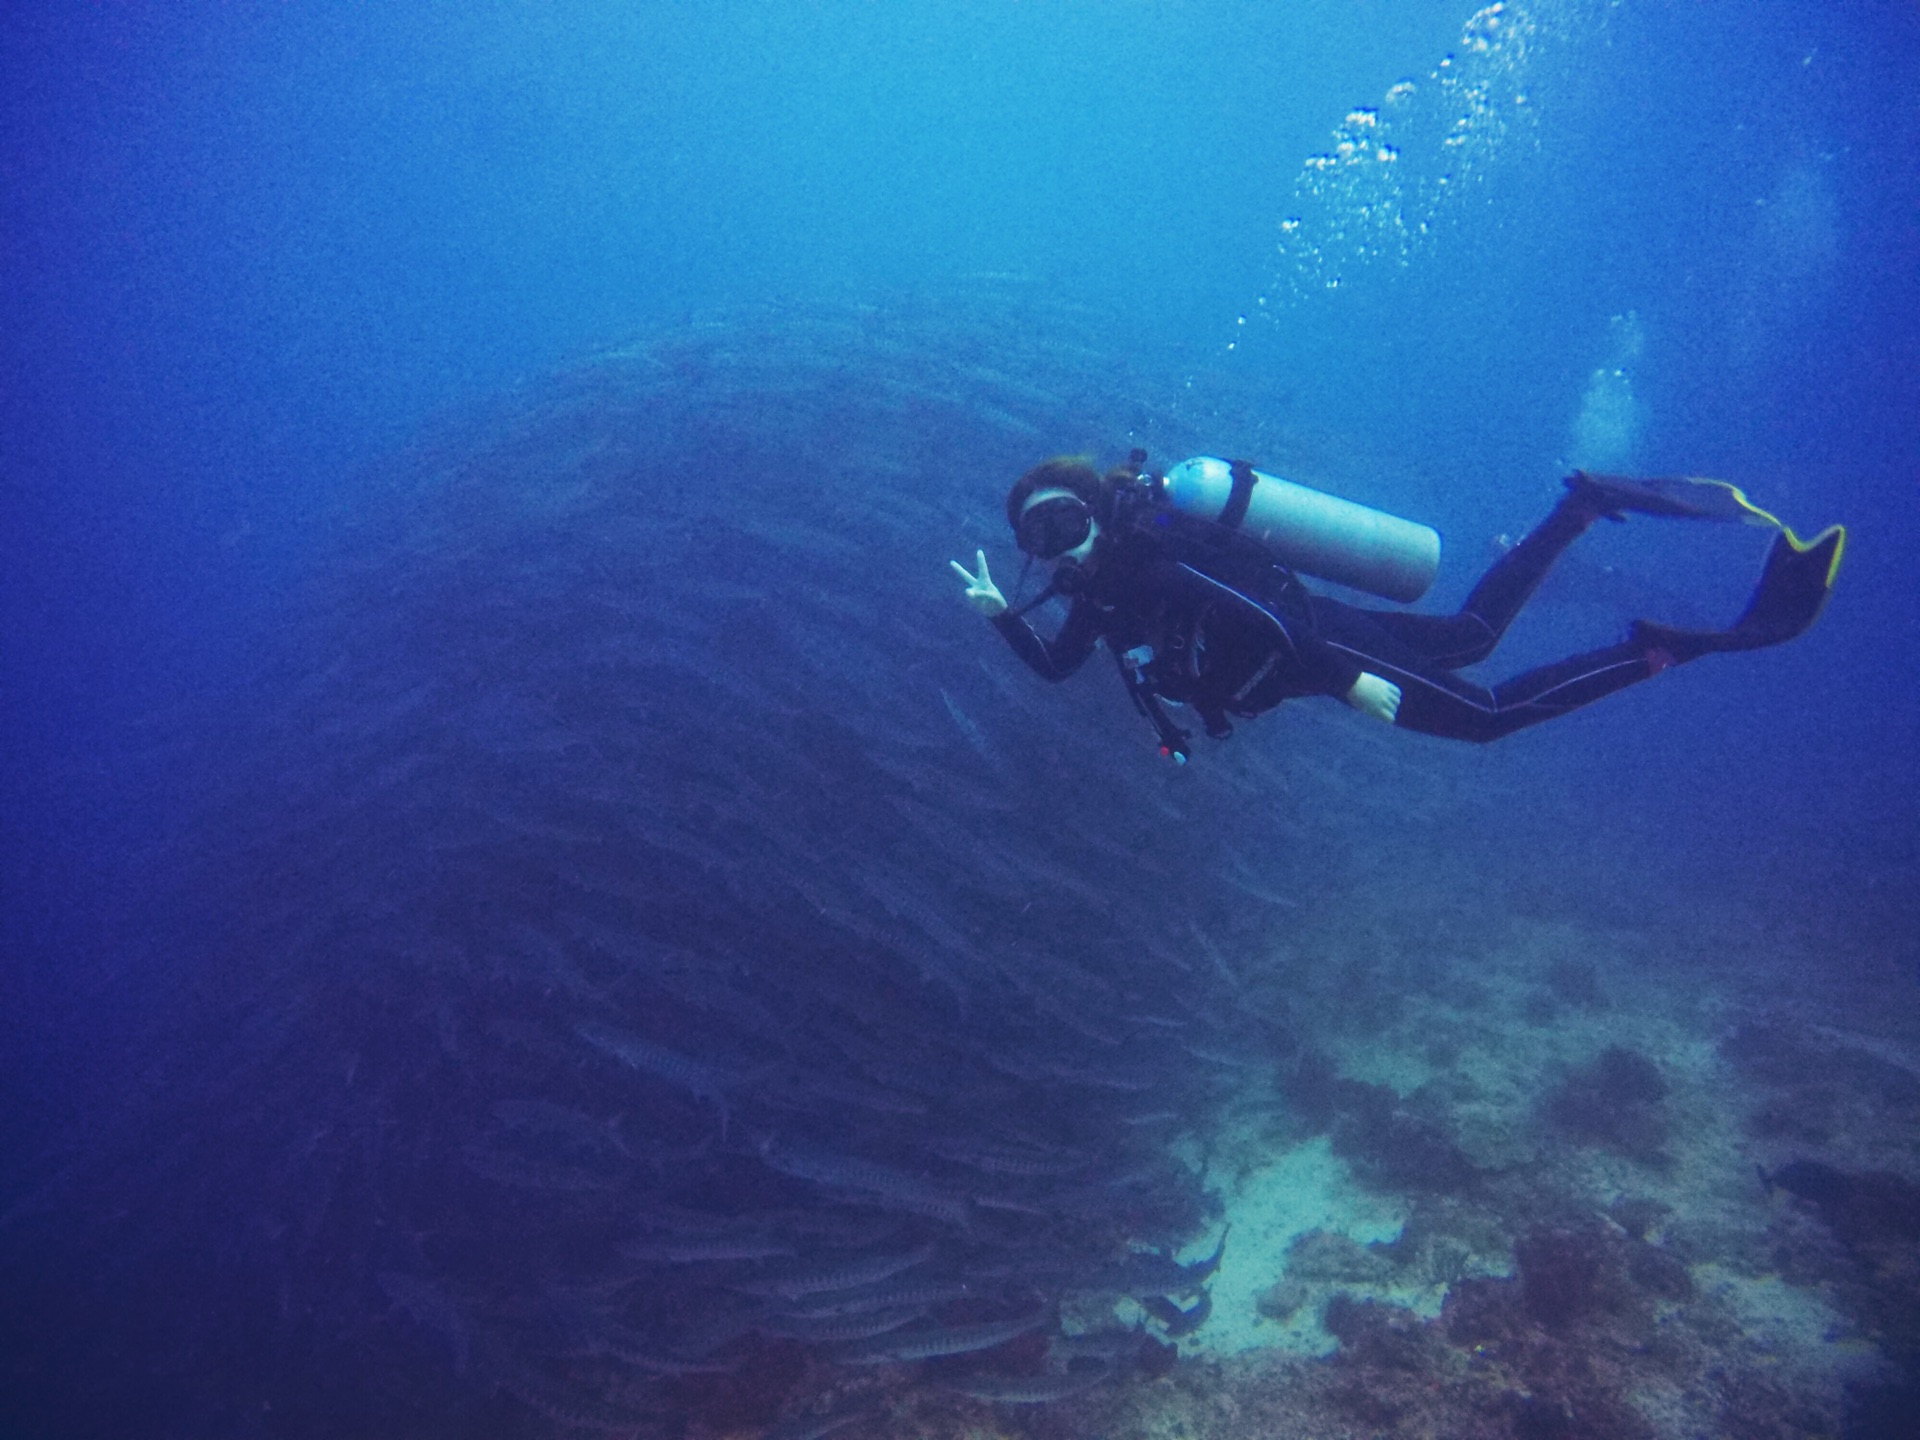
{"x": 1792, "y": 592}
{"x": 1684, "y": 497}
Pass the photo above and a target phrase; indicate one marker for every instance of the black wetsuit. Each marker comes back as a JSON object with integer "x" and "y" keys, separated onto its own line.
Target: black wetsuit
{"x": 1233, "y": 633}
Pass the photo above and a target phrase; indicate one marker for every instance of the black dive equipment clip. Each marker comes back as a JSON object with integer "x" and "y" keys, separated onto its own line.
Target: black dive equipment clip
{"x": 1173, "y": 740}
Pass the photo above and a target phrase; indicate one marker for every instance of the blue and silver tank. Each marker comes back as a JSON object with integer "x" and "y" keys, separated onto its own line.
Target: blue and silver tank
{"x": 1313, "y": 532}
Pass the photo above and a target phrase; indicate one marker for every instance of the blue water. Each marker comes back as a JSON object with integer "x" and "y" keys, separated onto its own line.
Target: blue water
{"x": 253, "y": 253}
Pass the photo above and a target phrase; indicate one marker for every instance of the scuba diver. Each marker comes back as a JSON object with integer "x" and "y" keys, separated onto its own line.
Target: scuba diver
{"x": 1188, "y": 578}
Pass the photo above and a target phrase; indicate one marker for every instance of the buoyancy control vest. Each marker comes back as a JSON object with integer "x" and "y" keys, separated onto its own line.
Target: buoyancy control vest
{"x": 1221, "y": 614}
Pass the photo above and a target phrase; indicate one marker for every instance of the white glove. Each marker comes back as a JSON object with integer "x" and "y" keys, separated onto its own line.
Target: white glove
{"x": 1373, "y": 696}
{"x": 985, "y": 596}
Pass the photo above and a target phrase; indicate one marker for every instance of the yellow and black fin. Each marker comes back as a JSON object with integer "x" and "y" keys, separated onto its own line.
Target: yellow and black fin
{"x": 1792, "y": 592}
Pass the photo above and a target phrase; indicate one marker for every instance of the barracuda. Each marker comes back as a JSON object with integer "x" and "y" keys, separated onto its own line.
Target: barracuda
{"x": 841, "y": 1328}
{"x": 683, "y": 1072}
{"x": 892, "y": 1188}
{"x": 948, "y": 1340}
{"x": 1032, "y": 1389}
{"x": 697, "y": 1249}
{"x": 820, "y": 1279}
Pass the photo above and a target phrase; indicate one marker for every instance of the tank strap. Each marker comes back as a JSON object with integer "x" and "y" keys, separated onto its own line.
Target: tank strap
{"x": 1240, "y": 496}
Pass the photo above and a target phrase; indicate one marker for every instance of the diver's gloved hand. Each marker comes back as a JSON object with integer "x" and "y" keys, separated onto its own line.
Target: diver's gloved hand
{"x": 1373, "y": 696}
{"x": 985, "y": 596}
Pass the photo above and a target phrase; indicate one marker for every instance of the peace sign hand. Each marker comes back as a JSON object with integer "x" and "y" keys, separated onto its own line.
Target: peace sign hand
{"x": 982, "y": 593}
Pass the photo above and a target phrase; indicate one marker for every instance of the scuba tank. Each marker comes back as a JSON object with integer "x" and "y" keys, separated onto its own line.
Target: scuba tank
{"x": 1309, "y": 530}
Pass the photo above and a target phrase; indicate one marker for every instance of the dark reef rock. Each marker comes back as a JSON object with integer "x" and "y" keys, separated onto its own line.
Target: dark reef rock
{"x": 1615, "y": 1102}
{"x": 1282, "y": 1300}
{"x": 1485, "y": 1369}
{"x": 1872, "y": 1209}
{"x": 1380, "y": 1334}
{"x": 1560, "y": 1273}
{"x": 1328, "y": 1255}
{"x": 1397, "y": 1149}
{"x": 1858, "y": 1234}
{"x": 1659, "y": 1272}
{"x": 1574, "y": 1345}
{"x": 1392, "y": 1144}
{"x": 1569, "y": 1276}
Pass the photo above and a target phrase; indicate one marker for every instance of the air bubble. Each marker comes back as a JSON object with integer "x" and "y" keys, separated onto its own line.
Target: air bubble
{"x": 1375, "y": 196}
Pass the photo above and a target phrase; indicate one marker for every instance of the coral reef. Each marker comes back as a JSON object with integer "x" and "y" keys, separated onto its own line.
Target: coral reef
{"x": 1616, "y": 1101}
{"x": 1391, "y": 1143}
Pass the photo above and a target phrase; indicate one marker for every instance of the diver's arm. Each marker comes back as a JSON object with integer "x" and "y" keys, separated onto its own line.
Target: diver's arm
{"x": 1054, "y": 659}
{"x": 1333, "y": 672}
{"x": 1325, "y": 670}
{"x": 1059, "y": 657}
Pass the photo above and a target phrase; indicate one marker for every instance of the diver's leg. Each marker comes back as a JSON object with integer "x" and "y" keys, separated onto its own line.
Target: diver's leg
{"x": 1451, "y": 641}
{"x": 1511, "y": 580}
{"x": 1438, "y": 702}
{"x": 1432, "y": 699}
{"x": 1793, "y": 590}
{"x": 1553, "y": 690}
{"x": 1435, "y": 701}
{"x": 1799, "y": 572}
